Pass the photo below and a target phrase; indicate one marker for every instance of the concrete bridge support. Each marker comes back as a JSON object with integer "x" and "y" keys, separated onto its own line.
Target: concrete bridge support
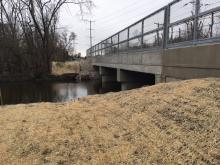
{"x": 159, "y": 78}
{"x": 108, "y": 74}
{"x": 126, "y": 79}
{"x": 131, "y": 80}
{"x": 108, "y": 77}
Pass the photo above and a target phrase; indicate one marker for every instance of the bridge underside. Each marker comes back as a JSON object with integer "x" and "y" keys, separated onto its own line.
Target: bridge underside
{"x": 158, "y": 66}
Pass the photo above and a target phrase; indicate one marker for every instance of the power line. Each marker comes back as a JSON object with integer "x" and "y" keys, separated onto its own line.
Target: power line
{"x": 133, "y": 17}
{"x": 118, "y": 21}
{"x": 113, "y": 26}
{"x": 106, "y": 26}
{"x": 124, "y": 12}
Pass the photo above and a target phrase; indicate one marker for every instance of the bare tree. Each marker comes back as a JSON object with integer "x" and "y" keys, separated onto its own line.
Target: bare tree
{"x": 65, "y": 46}
{"x": 31, "y": 25}
{"x": 44, "y": 15}
{"x": 66, "y": 41}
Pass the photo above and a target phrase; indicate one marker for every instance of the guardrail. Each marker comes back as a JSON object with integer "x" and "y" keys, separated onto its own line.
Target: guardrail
{"x": 180, "y": 23}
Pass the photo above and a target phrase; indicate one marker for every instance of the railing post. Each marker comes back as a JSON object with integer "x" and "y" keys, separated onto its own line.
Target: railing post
{"x": 118, "y": 43}
{"x": 196, "y": 19}
{"x": 94, "y": 51}
{"x": 97, "y": 49}
{"x": 128, "y": 38}
{"x": 211, "y": 26}
{"x": 112, "y": 52}
{"x": 100, "y": 49}
{"x": 166, "y": 27}
{"x": 142, "y": 33}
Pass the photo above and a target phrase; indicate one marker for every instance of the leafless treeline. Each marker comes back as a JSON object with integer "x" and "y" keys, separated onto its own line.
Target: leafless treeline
{"x": 28, "y": 36}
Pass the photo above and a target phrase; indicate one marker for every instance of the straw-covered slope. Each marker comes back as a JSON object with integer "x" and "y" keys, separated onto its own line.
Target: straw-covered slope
{"x": 175, "y": 123}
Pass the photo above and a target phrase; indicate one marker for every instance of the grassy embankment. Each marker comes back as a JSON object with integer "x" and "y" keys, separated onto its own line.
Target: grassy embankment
{"x": 175, "y": 123}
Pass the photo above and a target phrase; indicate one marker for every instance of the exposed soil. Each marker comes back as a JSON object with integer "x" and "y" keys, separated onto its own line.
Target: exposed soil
{"x": 175, "y": 123}
{"x": 83, "y": 69}
{"x": 60, "y": 68}
{"x": 87, "y": 72}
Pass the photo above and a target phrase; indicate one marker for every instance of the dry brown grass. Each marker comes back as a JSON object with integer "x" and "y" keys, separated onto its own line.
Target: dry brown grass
{"x": 87, "y": 71}
{"x": 60, "y": 68}
{"x": 176, "y": 123}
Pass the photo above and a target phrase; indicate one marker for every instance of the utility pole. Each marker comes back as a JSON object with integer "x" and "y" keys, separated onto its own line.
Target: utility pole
{"x": 74, "y": 47}
{"x": 158, "y": 34}
{"x": 90, "y": 33}
{"x": 196, "y": 5}
{"x": 196, "y": 19}
{"x": 196, "y": 8}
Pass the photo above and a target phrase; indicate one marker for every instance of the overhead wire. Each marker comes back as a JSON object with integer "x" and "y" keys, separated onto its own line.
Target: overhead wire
{"x": 118, "y": 22}
{"x": 114, "y": 26}
{"x": 120, "y": 10}
{"x": 133, "y": 10}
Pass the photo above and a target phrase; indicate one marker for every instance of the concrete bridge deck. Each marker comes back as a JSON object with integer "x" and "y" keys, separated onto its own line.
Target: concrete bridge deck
{"x": 166, "y": 65}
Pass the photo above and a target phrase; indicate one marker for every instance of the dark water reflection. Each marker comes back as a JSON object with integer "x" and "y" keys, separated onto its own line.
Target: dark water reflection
{"x": 32, "y": 92}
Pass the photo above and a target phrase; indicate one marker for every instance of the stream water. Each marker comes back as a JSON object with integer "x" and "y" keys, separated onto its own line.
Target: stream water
{"x": 33, "y": 92}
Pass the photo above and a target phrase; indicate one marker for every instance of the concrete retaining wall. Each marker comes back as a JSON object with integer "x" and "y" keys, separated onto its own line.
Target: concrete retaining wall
{"x": 191, "y": 62}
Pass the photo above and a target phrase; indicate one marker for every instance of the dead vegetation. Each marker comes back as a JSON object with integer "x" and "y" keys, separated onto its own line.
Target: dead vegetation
{"x": 29, "y": 36}
{"x": 60, "y": 68}
{"x": 176, "y": 123}
{"x": 87, "y": 71}
{"x": 83, "y": 68}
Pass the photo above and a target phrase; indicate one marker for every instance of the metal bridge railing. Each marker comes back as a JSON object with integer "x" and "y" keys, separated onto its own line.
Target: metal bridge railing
{"x": 180, "y": 23}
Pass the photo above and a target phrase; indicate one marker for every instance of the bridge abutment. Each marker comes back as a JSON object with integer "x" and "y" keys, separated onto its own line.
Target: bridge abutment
{"x": 159, "y": 78}
{"x": 130, "y": 80}
{"x": 108, "y": 74}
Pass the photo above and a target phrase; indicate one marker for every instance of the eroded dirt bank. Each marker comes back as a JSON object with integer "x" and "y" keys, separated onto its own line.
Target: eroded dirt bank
{"x": 176, "y": 123}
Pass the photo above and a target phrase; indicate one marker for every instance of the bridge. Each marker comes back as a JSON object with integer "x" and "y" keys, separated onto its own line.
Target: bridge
{"x": 177, "y": 42}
